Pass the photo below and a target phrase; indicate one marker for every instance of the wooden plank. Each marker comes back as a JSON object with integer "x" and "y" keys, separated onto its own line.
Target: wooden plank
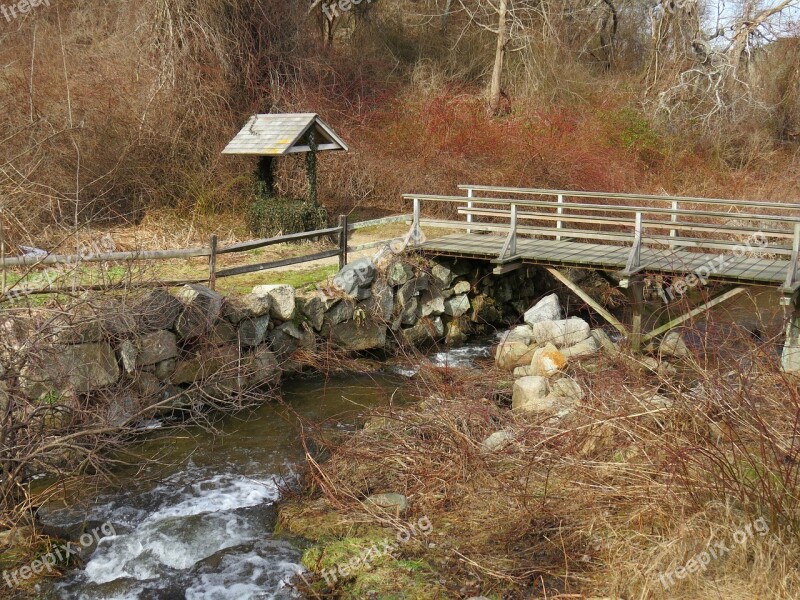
{"x": 282, "y": 239}
{"x": 53, "y": 259}
{"x": 596, "y": 306}
{"x": 275, "y": 264}
{"x": 693, "y": 313}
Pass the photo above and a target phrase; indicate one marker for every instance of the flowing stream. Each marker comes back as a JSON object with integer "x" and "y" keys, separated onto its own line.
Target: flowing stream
{"x": 203, "y": 530}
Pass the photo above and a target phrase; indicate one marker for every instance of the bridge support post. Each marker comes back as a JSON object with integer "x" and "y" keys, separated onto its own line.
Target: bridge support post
{"x": 636, "y": 296}
{"x": 790, "y": 358}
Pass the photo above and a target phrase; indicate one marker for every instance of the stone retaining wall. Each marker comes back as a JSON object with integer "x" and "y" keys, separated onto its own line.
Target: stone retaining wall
{"x": 197, "y": 344}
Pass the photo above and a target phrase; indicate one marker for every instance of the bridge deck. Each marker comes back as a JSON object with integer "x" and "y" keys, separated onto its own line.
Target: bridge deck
{"x": 748, "y": 268}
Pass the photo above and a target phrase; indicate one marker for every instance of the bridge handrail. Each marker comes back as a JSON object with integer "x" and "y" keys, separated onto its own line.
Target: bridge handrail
{"x": 603, "y": 207}
{"x": 628, "y": 196}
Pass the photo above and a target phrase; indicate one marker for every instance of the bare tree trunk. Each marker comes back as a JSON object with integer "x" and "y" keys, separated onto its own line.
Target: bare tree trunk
{"x": 494, "y": 89}
{"x": 445, "y": 18}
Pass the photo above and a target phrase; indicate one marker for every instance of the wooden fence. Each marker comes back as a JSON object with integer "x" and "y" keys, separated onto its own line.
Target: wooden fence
{"x": 339, "y": 234}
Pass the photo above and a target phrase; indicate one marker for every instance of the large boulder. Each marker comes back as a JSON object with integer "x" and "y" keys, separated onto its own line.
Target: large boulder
{"x": 357, "y": 275}
{"x": 567, "y": 389}
{"x": 359, "y": 336}
{"x": 457, "y": 305}
{"x": 203, "y": 366}
{"x": 289, "y": 337}
{"x": 157, "y": 310}
{"x": 398, "y": 274}
{"x": 253, "y": 332}
{"x": 515, "y": 349}
{"x": 673, "y": 345}
{"x": 547, "y": 309}
{"x": 262, "y": 367}
{"x": 547, "y": 361}
{"x": 585, "y": 348}
{"x": 281, "y": 297}
{"x": 426, "y": 330}
{"x": 155, "y": 347}
{"x": 431, "y": 302}
{"x": 202, "y": 308}
{"x": 530, "y": 394}
{"x": 443, "y": 273}
{"x": 563, "y": 333}
{"x": 340, "y": 312}
{"x": 313, "y": 308}
{"x": 79, "y": 367}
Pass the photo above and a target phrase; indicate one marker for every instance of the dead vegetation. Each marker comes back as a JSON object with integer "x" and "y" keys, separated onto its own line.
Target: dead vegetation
{"x": 611, "y": 500}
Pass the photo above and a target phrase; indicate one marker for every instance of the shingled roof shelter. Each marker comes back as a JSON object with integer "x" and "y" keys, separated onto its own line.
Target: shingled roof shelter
{"x": 272, "y": 135}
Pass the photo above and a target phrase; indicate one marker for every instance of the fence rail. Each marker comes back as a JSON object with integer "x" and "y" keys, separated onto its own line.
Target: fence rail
{"x": 340, "y": 234}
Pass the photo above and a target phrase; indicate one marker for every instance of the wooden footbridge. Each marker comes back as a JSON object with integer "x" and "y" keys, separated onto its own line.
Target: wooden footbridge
{"x": 735, "y": 243}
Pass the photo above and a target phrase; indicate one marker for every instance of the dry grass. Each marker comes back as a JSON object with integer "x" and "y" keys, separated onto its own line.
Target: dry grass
{"x": 646, "y": 474}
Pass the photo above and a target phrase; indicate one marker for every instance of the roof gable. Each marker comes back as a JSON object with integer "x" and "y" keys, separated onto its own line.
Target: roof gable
{"x": 280, "y": 134}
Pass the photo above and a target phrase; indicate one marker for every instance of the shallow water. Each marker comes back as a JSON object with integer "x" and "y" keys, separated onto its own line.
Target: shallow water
{"x": 203, "y": 529}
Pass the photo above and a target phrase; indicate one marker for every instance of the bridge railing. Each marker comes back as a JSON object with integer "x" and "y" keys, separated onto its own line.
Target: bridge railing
{"x": 634, "y": 220}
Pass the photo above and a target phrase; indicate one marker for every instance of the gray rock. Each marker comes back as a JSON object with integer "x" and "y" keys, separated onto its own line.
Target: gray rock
{"x": 127, "y": 354}
{"x": 281, "y": 297}
{"x": 165, "y": 369}
{"x": 146, "y": 385}
{"x": 381, "y": 304}
{"x": 358, "y": 274}
{"x": 289, "y": 337}
{"x": 514, "y": 353}
{"x": 431, "y": 302}
{"x": 457, "y": 306}
{"x": 443, "y": 273}
{"x": 547, "y": 309}
{"x": 202, "y": 367}
{"x": 262, "y": 368}
{"x": 396, "y": 503}
{"x": 157, "y": 310}
{"x": 456, "y": 331}
{"x": 339, "y": 313}
{"x": 353, "y": 336}
{"x": 425, "y": 331}
{"x": 497, "y": 441}
{"x": 253, "y": 332}
{"x": 80, "y": 367}
{"x": 156, "y": 347}
{"x": 462, "y": 287}
{"x": 249, "y": 306}
{"x": 313, "y": 308}
{"x": 585, "y": 348}
{"x": 408, "y": 314}
{"x": 561, "y": 333}
{"x": 398, "y": 274}
{"x": 223, "y": 332}
{"x": 604, "y": 342}
{"x": 121, "y": 410}
{"x": 568, "y": 388}
{"x": 411, "y": 289}
{"x": 673, "y": 345}
{"x": 530, "y": 394}
{"x": 203, "y": 308}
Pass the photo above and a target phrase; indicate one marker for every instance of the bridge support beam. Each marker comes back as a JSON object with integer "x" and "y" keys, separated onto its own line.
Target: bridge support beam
{"x": 635, "y": 289}
{"x": 790, "y": 358}
{"x": 598, "y": 308}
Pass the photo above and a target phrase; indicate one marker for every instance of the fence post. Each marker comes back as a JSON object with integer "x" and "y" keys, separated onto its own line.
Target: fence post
{"x": 342, "y": 242}
{"x": 470, "y": 206}
{"x": 212, "y": 263}
{"x": 560, "y": 211}
{"x": 674, "y": 218}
